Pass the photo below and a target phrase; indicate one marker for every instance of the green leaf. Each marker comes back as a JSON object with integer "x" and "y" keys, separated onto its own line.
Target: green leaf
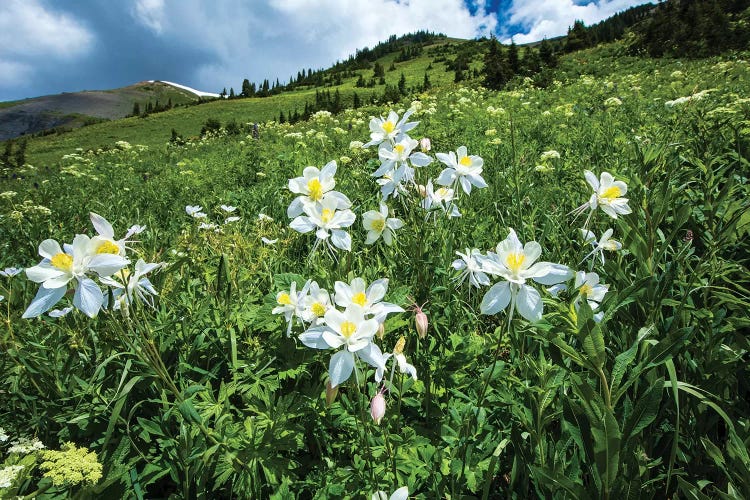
{"x": 622, "y": 361}
{"x": 606, "y": 434}
{"x": 591, "y": 336}
{"x": 645, "y": 410}
{"x": 188, "y": 411}
{"x": 554, "y": 481}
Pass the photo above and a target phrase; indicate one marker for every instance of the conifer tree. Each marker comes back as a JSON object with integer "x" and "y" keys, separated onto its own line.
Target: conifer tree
{"x": 426, "y": 82}
{"x": 136, "y": 109}
{"x": 402, "y": 84}
{"x": 247, "y": 91}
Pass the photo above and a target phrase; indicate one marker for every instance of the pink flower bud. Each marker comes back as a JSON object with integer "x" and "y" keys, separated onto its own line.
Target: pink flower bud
{"x": 331, "y": 393}
{"x": 377, "y": 407}
{"x": 425, "y": 144}
{"x": 422, "y": 323}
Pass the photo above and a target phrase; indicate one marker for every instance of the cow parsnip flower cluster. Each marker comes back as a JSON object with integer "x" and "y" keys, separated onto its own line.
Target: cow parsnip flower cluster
{"x": 84, "y": 261}
{"x": 71, "y": 466}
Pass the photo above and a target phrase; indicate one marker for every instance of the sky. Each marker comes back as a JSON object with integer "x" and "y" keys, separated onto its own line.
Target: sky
{"x": 48, "y": 46}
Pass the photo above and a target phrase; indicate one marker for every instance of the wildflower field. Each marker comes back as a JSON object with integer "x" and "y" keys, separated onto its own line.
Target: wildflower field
{"x": 467, "y": 294}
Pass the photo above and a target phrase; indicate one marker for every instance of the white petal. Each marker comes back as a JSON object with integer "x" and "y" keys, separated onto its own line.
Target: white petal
{"x": 332, "y": 338}
{"x": 529, "y": 303}
{"x": 496, "y": 299}
{"x": 314, "y": 338}
{"x": 49, "y": 248}
{"x": 102, "y": 226}
{"x": 107, "y": 264}
{"x": 372, "y": 355}
{"x": 43, "y": 272}
{"x": 88, "y": 297}
{"x": 552, "y": 274}
{"x": 420, "y": 159}
{"x": 302, "y": 224}
{"x": 44, "y": 300}
{"x": 341, "y": 239}
{"x": 340, "y": 367}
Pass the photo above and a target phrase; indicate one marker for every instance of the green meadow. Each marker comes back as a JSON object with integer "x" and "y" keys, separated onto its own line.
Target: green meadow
{"x": 628, "y": 383}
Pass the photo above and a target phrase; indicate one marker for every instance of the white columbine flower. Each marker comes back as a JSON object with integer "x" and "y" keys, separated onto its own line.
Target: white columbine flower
{"x": 441, "y": 198}
{"x": 369, "y": 298}
{"x": 137, "y": 286}
{"x": 470, "y": 266}
{"x": 590, "y": 289}
{"x": 195, "y": 211}
{"x": 352, "y": 331}
{"x": 389, "y": 129}
{"x": 105, "y": 241}
{"x": 517, "y": 263}
{"x": 324, "y": 218}
{"x": 290, "y": 304}
{"x": 605, "y": 243}
{"x": 313, "y": 188}
{"x": 398, "y": 355}
{"x": 58, "y": 268}
{"x": 228, "y": 208}
{"x": 400, "y": 153}
{"x": 607, "y": 195}
{"x": 9, "y": 272}
{"x": 377, "y": 224}
{"x": 315, "y": 304}
{"x": 462, "y": 168}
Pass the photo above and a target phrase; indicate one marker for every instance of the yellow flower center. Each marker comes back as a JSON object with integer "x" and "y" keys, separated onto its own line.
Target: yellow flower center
{"x": 465, "y": 161}
{"x": 315, "y": 189}
{"x": 611, "y": 193}
{"x": 360, "y": 299}
{"x": 108, "y": 247}
{"x": 399, "y": 149}
{"x": 389, "y": 127}
{"x": 62, "y": 261}
{"x": 514, "y": 261}
{"x": 611, "y": 245}
{"x": 318, "y": 309}
{"x": 586, "y": 290}
{"x": 400, "y": 346}
{"x": 284, "y": 299}
{"x": 378, "y": 225}
{"x": 326, "y": 215}
{"x": 442, "y": 192}
{"x": 348, "y": 328}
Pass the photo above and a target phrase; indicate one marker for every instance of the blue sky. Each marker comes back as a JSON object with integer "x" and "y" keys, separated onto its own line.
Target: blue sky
{"x": 49, "y": 46}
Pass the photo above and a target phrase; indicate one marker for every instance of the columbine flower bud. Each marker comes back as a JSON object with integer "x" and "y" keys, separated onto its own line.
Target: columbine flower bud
{"x": 381, "y": 330}
{"x": 331, "y": 393}
{"x": 377, "y": 407}
{"x": 422, "y": 323}
{"x": 425, "y": 144}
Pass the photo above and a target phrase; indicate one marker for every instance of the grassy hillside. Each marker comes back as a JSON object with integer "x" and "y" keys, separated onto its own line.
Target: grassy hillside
{"x": 628, "y": 383}
{"x": 71, "y": 110}
{"x": 155, "y": 130}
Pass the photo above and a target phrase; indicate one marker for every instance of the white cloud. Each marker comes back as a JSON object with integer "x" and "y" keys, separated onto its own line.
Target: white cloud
{"x": 150, "y": 13}
{"x": 552, "y": 18}
{"x": 270, "y": 38}
{"x": 29, "y": 29}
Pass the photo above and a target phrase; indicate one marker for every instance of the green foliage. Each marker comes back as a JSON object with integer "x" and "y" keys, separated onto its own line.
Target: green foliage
{"x": 207, "y": 395}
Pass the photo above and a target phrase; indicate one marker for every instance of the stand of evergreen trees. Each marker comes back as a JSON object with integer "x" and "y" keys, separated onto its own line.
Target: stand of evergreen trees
{"x": 693, "y": 28}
